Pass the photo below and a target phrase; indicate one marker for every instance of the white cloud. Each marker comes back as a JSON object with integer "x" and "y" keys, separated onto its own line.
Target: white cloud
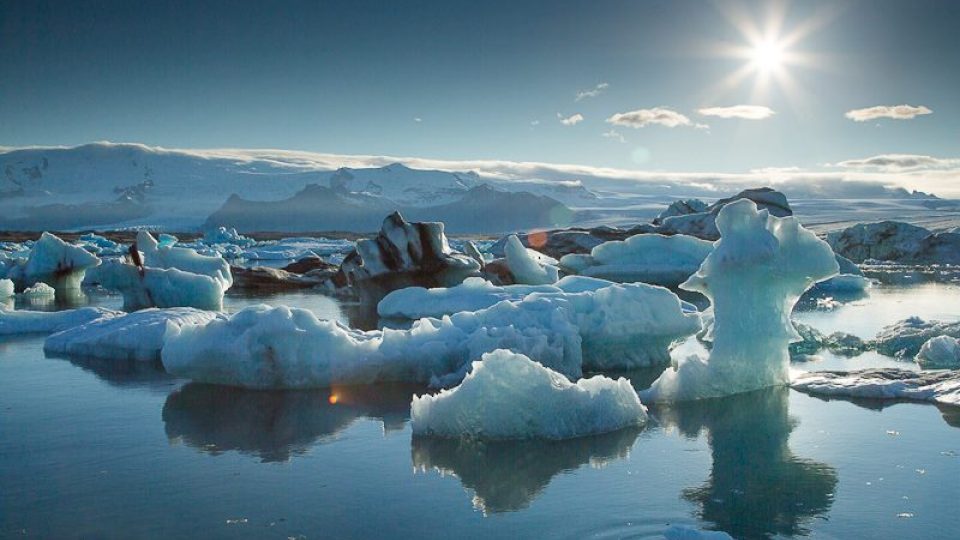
{"x": 571, "y": 120}
{"x": 417, "y": 119}
{"x": 534, "y": 122}
{"x": 615, "y": 135}
{"x": 901, "y": 162}
{"x": 896, "y": 112}
{"x": 593, "y": 92}
{"x": 747, "y": 112}
{"x": 661, "y": 116}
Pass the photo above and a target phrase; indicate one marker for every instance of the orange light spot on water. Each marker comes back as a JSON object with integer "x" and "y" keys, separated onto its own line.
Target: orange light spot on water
{"x": 537, "y": 239}
{"x": 333, "y": 399}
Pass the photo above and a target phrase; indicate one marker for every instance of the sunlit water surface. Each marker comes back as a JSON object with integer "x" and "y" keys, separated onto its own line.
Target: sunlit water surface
{"x": 96, "y": 449}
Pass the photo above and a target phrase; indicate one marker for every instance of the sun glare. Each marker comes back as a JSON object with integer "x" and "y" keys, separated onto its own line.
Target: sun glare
{"x": 767, "y": 56}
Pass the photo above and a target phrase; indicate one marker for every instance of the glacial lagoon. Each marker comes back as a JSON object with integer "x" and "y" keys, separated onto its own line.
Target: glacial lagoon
{"x": 92, "y": 448}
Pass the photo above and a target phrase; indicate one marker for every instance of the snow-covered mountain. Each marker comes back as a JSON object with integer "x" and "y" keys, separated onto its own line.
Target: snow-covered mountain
{"x": 481, "y": 209}
{"x": 111, "y": 185}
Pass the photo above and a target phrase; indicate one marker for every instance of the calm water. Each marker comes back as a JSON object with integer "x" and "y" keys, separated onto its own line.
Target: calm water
{"x": 95, "y": 449}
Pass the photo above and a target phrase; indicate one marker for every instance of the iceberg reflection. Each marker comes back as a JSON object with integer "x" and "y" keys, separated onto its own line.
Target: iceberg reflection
{"x": 505, "y": 476}
{"x": 757, "y": 487}
{"x": 277, "y": 425}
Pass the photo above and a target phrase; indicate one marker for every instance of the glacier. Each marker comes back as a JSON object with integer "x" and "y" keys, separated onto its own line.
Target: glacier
{"x": 137, "y": 336}
{"x": 160, "y": 287}
{"x": 509, "y": 396}
{"x": 757, "y": 271}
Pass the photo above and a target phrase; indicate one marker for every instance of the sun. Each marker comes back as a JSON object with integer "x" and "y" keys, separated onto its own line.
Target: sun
{"x": 767, "y": 56}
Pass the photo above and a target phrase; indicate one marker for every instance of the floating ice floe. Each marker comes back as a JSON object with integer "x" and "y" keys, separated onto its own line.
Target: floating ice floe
{"x": 509, "y": 396}
{"x": 528, "y": 266}
{"x": 646, "y": 258}
{"x": 160, "y": 287}
{"x": 623, "y": 326}
{"x": 6, "y": 288}
{"x": 168, "y": 277}
{"x": 53, "y": 262}
{"x": 904, "y": 339}
{"x": 40, "y": 290}
{"x": 941, "y": 352}
{"x": 137, "y": 336}
{"x": 184, "y": 259}
{"x": 45, "y": 322}
{"x": 940, "y": 386}
{"x": 753, "y": 277}
{"x": 223, "y": 235}
{"x": 282, "y": 347}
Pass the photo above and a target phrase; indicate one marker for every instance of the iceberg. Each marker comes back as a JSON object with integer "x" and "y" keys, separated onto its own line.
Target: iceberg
{"x": 6, "y": 288}
{"x": 509, "y": 396}
{"x": 282, "y": 347}
{"x": 753, "y": 277}
{"x": 184, "y": 259}
{"x": 528, "y": 266}
{"x": 405, "y": 254}
{"x": 939, "y": 386}
{"x": 473, "y": 294}
{"x": 134, "y": 337}
{"x": 46, "y": 322}
{"x": 160, "y": 287}
{"x": 53, "y": 262}
{"x": 40, "y": 290}
{"x": 647, "y": 258}
{"x": 904, "y": 339}
{"x": 622, "y": 326}
{"x": 941, "y": 352}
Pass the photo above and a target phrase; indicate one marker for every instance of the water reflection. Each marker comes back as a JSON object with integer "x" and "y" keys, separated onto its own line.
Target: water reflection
{"x": 757, "y": 487}
{"x": 277, "y": 425}
{"x": 126, "y": 373}
{"x": 507, "y": 475}
{"x": 950, "y": 413}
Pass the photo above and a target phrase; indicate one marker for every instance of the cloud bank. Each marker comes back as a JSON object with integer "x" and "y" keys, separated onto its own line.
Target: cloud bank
{"x": 895, "y": 112}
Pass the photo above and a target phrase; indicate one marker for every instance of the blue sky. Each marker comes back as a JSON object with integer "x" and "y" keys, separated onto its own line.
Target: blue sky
{"x": 482, "y": 80}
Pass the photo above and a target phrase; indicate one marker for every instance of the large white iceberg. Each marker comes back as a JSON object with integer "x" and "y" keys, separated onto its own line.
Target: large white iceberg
{"x": 623, "y": 326}
{"x": 941, "y": 352}
{"x": 53, "y": 262}
{"x": 282, "y": 347}
{"x": 529, "y": 267}
{"x": 137, "y": 336}
{"x": 144, "y": 287}
{"x": 509, "y": 396}
{"x": 184, "y": 259}
{"x": 45, "y": 322}
{"x": 940, "y": 386}
{"x": 648, "y": 258}
{"x": 754, "y": 276}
